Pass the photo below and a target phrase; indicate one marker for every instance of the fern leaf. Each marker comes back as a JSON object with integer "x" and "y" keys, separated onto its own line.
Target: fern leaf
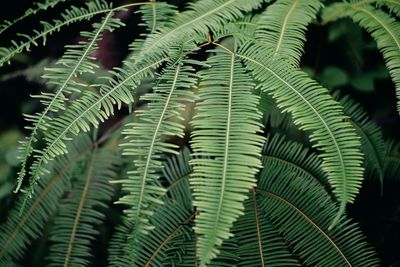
{"x": 372, "y": 142}
{"x": 244, "y": 27}
{"x": 171, "y": 219}
{"x": 72, "y": 15}
{"x": 38, "y": 6}
{"x": 90, "y": 109}
{"x": 392, "y": 160}
{"x": 302, "y": 211}
{"x": 176, "y": 172}
{"x": 314, "y": 110}
{"x": 74, "y": 227}
{"x": 18, "y": 231}
{"x": 161, "y": 120}
{"x": 392, "y": 5}
{"x": 259, "y": 243}
{"x": 76, "y": 60}
{"x": 156, "y": 14}
{"x": 283, "y": 26}
{"x": 226, "y": 143}
{"x": 296, "y": 156}
{"x": 383, "y": 28}
{"x": 196, "y": 22}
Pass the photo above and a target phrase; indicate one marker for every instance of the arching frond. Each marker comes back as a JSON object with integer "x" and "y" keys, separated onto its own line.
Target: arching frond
{"x": 392, "y": 5}
{"x": 176, "y": 172}
{"x": 171, "y": 220}
{"x": 283, "y": 26}
{"x": 278, "y": 151}
{"x": 244, "y": 27}
{"x": 72, "y": 15}
{"x": 196, "y": 21}
{"x": 314, "y": 110}
{"x": 392, "y": 160}
{"x": 259, "y": 243}
{"x": 226, "y": 147}
{"x": 76, "y": 61}
{"x": 156, "y": 14}
{"x": 18, "y": 231}
{"x": 372, "y": 142}
{"x": 145, "y": 140}
{"x": 38, "y": 6}
{"x": 383, "y": 28}
{"x": 302, "y": 211}
{"x": 74, "y": 227}
{"x": 87, "y": 111}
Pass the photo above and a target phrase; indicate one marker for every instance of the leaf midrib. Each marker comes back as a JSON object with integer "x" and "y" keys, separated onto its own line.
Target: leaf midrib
{"x": 40, "y": 162}
{"x": 381, "y": 23}
{"x": 339, "y": 154}
{"x": 70, "y": 76}
{"x": 284, "y": 25}
{"x": 227, "y": 141}
{"x": 315, "y": 225}
{"x": 80, "y": 208}
{"x": 151, "y": 46}
{"x": 153, "y": 141}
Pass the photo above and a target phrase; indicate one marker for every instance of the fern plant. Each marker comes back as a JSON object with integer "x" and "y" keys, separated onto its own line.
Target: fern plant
{"x": 205, "y": 77}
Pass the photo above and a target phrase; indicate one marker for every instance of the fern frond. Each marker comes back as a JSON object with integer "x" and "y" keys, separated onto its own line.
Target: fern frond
{"x": 392, "y": 5}
{"x": 88, "y": 110}
{"x": 372, "y": 142}
{"x": 75, "y": 61}
{"x": 118, "y": 247}
{"x": 196, "y": 22}
{"x": 302, "y": 211}
{"x": 72, "y": 15}
{"x": 74, "y": 226}
{"x": 245, "y": 27}
{"x": 18, "y": 231}
{"x": 145, "y": 139}
{"x": 314, "y": 110}
{"x": 283, "y": 26}
{"x": 384, "y": 29}
{"x": 38, "y": 6}
{"x": 170, "y": 220}
{"x": 176, "y": 173}
{"x": 277, "y": 150}
{"x": 226, "y": 147}
{"x": 392, "y": 160}
{"x": 259, "y": 243}
{"x": 156, "y": 14}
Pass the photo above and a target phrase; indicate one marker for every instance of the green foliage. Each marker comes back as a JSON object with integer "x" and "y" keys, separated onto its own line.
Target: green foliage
{"x": 382, "y": 27}
{"x": 20, "y": 228}
{"x": 204, "y": 78}
{"x": 81, "y": 210}
{"x": 226, "y": 143}
{"x": 162, "y": 119}
{"x": 283, "y": 25}
{"x": 314, "y": 110}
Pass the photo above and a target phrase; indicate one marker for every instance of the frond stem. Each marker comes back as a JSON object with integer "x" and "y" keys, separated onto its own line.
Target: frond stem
{"x": 169, "y": 237}
{"x": 260, "y": 246}
{"x": 80, "y": 208}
